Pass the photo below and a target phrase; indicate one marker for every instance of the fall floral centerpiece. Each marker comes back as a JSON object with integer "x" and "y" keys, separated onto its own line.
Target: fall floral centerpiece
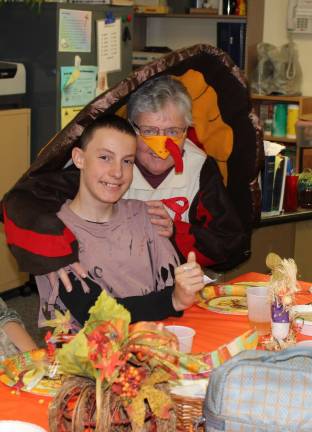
{"x": 116, "y": 375}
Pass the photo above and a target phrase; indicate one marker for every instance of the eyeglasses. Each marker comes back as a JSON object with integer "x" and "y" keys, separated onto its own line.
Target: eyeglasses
{"x": 148, "y": 131}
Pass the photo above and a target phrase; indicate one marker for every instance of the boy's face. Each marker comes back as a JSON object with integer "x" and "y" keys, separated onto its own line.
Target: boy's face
{"x": 106, "y": 165}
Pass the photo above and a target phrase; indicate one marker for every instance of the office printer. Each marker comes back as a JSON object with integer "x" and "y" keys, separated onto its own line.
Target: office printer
{"x": 12, "y": 78}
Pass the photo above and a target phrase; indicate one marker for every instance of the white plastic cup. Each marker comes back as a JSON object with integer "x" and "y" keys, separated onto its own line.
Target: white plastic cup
{"x": 259, "y": 309}
{"x": 280, "y": 330}
{"x": 185, "y": 336}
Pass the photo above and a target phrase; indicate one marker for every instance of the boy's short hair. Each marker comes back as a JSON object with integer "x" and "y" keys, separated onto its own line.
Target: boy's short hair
{"x": 109, "y": 121}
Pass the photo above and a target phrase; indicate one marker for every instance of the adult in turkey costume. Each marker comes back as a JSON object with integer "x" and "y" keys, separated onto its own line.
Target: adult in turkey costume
{"x": 218, "y": 223}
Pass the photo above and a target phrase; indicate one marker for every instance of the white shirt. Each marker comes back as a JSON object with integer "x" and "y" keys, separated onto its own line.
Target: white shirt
{"x": 185, "y": 184}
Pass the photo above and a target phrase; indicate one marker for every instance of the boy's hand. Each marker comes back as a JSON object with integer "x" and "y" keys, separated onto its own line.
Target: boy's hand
{"x": 188, "y": 281}
{"x": 62, "y": 274}
{"x": 160, "y": 217}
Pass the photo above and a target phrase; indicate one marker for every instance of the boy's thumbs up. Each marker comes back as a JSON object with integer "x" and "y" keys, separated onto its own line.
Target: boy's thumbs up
{"x": 191, "y": 258}
{"x": 188, "y": 281}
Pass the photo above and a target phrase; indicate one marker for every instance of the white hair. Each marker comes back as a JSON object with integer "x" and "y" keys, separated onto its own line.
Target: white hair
{"x": 156, "y": 93}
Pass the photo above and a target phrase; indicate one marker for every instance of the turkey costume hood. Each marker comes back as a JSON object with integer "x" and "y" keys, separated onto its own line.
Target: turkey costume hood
{"x": 224, "y": 126}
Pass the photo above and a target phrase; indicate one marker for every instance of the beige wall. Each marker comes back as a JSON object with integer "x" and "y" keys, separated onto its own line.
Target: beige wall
{"x": 177, "y": 33}
{"x": 275, "y": 32}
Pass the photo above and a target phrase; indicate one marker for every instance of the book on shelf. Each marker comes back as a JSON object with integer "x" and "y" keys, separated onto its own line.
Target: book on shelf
{"x": 273, "y": 184}
{"x": 144, "y": 56}
{"x": 291, "y": 153}
{"x": 280, "y": 172}
{"x": 267, "y": 178}
{"x": 231, "y": 39}
{"x": 265, "y": 112}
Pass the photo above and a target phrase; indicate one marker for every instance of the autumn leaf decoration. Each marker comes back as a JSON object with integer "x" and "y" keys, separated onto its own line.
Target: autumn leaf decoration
{"x": 130, "y": 360}
{"x": 61, "y": 323}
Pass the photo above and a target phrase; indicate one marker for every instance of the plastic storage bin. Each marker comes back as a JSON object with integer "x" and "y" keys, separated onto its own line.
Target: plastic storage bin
{"x": 304, "y": 133}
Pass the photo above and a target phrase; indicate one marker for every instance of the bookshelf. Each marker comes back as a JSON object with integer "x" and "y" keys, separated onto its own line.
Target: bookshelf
{"x": 173, "y": 29}
{"x": 304, "y": 113}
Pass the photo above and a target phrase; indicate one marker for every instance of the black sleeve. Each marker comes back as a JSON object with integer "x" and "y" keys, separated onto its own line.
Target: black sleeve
{"x": 150, "y": 307}
{"x": 214, "y": 232}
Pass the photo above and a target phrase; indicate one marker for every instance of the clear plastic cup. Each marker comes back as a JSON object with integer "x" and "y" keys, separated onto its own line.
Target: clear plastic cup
{"x": 185, "y": 336}
{"x": 259, "y": 309}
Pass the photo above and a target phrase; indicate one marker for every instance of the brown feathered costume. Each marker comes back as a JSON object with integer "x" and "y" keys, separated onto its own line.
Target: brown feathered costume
{"x": 224, "y": 126}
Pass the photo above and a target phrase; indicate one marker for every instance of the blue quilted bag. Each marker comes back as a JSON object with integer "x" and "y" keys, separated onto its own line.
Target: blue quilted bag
{"x": 261, "y": 391}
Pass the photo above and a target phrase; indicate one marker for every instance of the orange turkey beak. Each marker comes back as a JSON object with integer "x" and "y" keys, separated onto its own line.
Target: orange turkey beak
{"x": 164, "y": 146}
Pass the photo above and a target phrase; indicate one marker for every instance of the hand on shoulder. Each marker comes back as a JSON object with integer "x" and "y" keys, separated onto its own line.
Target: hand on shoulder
{"x": 160, "y": 218}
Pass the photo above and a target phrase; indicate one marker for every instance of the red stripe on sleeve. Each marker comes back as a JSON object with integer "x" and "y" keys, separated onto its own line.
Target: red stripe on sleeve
{"x": 40, "y": 244}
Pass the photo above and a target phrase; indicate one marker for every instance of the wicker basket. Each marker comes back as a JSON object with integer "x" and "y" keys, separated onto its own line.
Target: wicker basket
{"x": 74, "y": 410}
{"x": 188, "y": 410}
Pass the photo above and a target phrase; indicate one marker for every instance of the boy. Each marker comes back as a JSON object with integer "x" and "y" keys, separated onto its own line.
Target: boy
{"x": 121, "y": 250}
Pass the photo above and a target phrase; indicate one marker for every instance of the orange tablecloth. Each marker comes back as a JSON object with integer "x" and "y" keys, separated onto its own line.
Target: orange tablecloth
{"x": 212, "y": 330}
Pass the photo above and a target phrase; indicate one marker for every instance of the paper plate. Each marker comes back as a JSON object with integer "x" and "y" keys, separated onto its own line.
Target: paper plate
{"x": 36, "y": 365}
{"x": 224, "y": 299}
{"x": 303, "y": 316}
{"x": 19, "y": 426}
{"x": 234, "y": 305}
{"x": 303, "y": 311}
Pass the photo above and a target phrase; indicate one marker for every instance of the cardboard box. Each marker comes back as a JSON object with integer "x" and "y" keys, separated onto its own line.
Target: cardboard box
{"x": 122, "y": 2}
{"x": 152, "y": 9}
{"x": 144, "y": 57}
{"x": 148, "y": 3}
{"x": 205, "y": 11}
{"x": 304, "y": 133}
